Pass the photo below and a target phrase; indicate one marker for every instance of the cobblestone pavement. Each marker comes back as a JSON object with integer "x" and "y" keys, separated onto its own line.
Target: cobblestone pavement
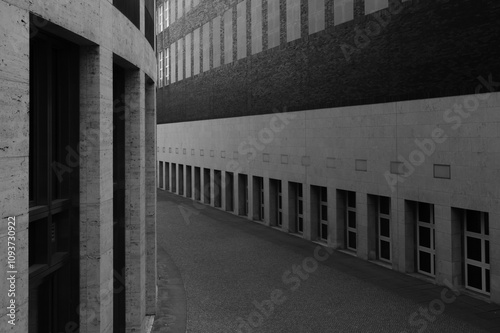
{"x": 222, "y": 273}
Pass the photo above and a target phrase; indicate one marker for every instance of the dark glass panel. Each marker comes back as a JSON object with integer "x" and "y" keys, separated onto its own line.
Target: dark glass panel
{"x": 324, "y": 231}
{"x": 38, "y": 242}
{"x": 487, "y": 272}
{"x": 324, "y": 194}
{"x": 324, "y": 212}
{"x": 475, "y": 277}
{"x": 385, "y": 227}
{"x": 385, "y": 250}
{"x": 424, "y": 237}
{"x": 473, "y": 221}
{"x": 385, "y": 205}
{"x": 474, "y": 248}
{"x": 351, "y": 239}
{"x": 351, "y": 217}
{"x": 424, "y": 212}
{"x": 487, "y": 252}
{"x": 351, "y": 199}
{"x": 425, "y": 261}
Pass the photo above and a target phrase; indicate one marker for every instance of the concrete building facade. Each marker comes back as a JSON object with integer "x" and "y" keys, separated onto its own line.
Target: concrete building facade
{"x": 77, "y": 166}
{"x": 368, "y": 126}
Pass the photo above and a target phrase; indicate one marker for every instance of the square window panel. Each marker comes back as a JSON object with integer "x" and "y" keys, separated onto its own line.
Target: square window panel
{"x": 351, "y": 218}
{"x": 424, "y": 262}
{"x": 473, "y": 221}
{"x": 474, "y": 277}
{"x": 351, "y": 199}
{"x": 474, "y": 248}
{"x": 385, "y": 250}
{"x": 385, "y": 227}
{"x": 487, "y": 278}
{"x": 486, "y": 224}
{"x": 324, "y": 212}
{"x": 385, "y": 205}
{"x": 424, "y": 237}
{"x": 424, "y": 213}
{"x": 324, "y": 196}
{"x": 324, "y": 231}
{"x": 351, "y": 240}
{"x": 487, "y": 252}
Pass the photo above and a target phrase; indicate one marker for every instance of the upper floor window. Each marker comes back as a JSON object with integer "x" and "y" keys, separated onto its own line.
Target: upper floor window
{"x": 372, "y": 6}
{"x": 160, "y": 19}
{"x": 167, "y": 69}
{"x": 343, "y": 11}
{"x": 166, "y": 14}
{"x": 160, "y": 69}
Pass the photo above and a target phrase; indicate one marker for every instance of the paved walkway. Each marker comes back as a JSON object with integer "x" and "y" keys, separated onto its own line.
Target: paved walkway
{"x": 222, "y": 273}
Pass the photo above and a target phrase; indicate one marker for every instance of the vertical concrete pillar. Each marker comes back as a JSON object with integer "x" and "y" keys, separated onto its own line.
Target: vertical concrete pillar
{"x": 223, "y": 190}
{"x": 333, "y": 221}
{"x": 372, "y": 226}
{"x": 267, "y": 202}
{"x": 362, "y": 225}
{"x": 96, "y": 190}
{"x": 444, "y": 241}
{"x": 395, "y": 254}
{"x": 213, "y": 188}
{"x": 14, "y": 158}
{"x": 306, "y": 206}
{"x": 151, "y": 280}
{"x": 236, "y": 194}
{"x": 339, "y": 228}
{"x": 135, "y": 203}
{"x": 406, "y": 218}
{"x": 250, "y": 196}
{"x": 314, "y": 212}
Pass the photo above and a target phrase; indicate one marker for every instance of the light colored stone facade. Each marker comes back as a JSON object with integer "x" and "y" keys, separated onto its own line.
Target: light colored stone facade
{"x": 103, "y": 33}
{"x": 355, "y": 149}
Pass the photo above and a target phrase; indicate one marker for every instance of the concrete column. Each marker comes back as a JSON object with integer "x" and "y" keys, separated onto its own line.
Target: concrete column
{"x": 406, "y": 218}
{"x": 135, "y": 201}
{"x": 395, "y": 234}
{"x": 151, "y": 281}
{"x": 338, "y": 230}
{"x": 362, "y": 225}
{"x": 223, "y": 190}
{"x": 288, "y": 219}
{"x": 333, "y": 221}
{"x": 236, "y": 193}
{"x": 213, "y": 189}
{"x": 14, "y": 158}
{"x": 314, "y": 212}
{"x": 306, "y": 206}
{"x": 372, "y": 226}
{"x": 267, "y": 202}
{"x": 96, "y": 190}
{"x": 250, "y": 196}
{"x": 444, "y": 242}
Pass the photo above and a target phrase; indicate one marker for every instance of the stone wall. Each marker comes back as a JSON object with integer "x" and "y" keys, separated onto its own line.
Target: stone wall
{"x": 105, "y": 36}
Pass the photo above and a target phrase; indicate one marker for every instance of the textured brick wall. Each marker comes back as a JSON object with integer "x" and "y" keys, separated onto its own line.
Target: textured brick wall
{"x": 416, "y": 49}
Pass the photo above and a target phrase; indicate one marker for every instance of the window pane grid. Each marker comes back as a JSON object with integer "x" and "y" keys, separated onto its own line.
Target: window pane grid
{"x": 300, "y": 212}
{"x": 351, "y": 229}
{"x": 384, "y": 230}
{"x": 425, "y": 226}
{"x": 477, "y": 267}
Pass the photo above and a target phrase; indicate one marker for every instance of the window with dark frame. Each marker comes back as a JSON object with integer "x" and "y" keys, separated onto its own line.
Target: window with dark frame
{"x": 53, "y": 184}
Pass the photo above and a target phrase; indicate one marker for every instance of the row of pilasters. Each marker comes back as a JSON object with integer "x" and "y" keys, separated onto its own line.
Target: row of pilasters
{"x": 96, "y": 200}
